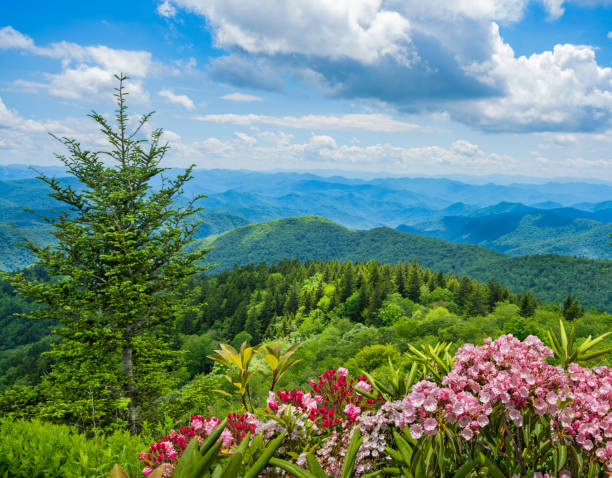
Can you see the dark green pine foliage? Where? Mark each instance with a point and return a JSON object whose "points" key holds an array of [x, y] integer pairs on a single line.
{"points": [[527, 304], [118, 275], [571, 308], [464, 292], [413, 287]]}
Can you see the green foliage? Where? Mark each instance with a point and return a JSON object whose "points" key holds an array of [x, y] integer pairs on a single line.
{"points": [[33, 449], [567, 351], [571, 308], [238, 363], [372, 357], [548, 277], [279, 362], [315, 470], [118, 273]]}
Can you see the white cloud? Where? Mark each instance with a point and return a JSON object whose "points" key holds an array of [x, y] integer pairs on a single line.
{"points": [[166, 9], [362, 30], [464, 148], [366, 122], [86, 70], [27, 141], [11, 38], [412, 55], [322, 142], [559, 90], [182, 100], [610, 35], [245, 138], [279, 150], [240, 97]]}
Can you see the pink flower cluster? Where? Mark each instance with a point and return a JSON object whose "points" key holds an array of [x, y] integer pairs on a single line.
{"points": [[587, 418], [167, 451], [517, 376], [332, 401]]}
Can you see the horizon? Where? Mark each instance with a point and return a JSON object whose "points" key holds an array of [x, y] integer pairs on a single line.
{"points": [[472, 179]]}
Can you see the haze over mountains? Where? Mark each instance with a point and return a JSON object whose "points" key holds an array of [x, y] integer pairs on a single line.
{"points": [[566, 218]]}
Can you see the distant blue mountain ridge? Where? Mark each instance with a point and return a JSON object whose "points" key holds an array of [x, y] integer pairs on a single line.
{"points": [[566, 218]]}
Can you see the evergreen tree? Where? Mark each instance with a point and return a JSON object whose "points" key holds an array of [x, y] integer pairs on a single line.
{"points": [[527, 305], [399, 281], [464, 292], [413, 287], [496, 293], [476, 303], [571, 308], [119, 271]]}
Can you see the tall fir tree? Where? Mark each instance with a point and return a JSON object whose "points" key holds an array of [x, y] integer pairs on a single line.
{"points": [[118, 271]]}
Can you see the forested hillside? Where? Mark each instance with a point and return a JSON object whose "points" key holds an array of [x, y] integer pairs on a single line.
{"points": [[549, 277], [521, 230], [301, 300]]}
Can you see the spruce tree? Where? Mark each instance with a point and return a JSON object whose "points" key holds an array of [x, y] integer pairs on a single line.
{"points": [[118, 274], [413, 286], [571, 308]]}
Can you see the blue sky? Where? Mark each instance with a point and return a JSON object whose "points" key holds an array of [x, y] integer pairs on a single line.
{"points": [[397, 87]]}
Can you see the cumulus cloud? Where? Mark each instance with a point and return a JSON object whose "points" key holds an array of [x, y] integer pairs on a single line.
{"points": [[240, 97], [182, 100], [365, 122], [25, 140], [11, 38], [278, 150], [361, 30], [414, 56], [559, 90], [86, 70]]}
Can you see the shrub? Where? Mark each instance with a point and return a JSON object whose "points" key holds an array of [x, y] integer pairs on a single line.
{"points": [[33, 449]]}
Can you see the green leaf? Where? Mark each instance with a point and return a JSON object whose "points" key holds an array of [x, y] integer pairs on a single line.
{"points": [[351, 454]]}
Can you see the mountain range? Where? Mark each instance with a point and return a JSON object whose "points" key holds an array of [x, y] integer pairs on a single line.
{"points": [[567, 218]]}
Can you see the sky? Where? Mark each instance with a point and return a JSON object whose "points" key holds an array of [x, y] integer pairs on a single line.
{"points": [[406, 87]]}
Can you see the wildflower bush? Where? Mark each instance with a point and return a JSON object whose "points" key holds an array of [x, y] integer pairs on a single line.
{"points": [[502, 409]]}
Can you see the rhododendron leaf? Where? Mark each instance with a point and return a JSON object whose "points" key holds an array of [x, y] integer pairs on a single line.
{"points": [[222, 392], [292, 469], [266, 454], [118, 472], [403, 447], [594, 355], [351, 454], [590, 343], [256, 445], [214, 436], [203, 463], [369, 395], [314, 466], [563, 335], [185, 464], [272, 361], [157, 472], [244, 443], [465, 469], [493, 470], [233, 466]]}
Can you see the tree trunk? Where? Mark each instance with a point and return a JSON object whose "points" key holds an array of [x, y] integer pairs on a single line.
{"points": [[127, 371]]}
